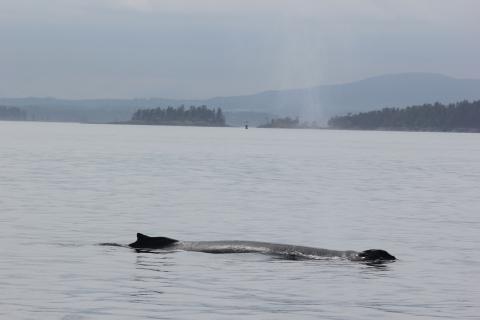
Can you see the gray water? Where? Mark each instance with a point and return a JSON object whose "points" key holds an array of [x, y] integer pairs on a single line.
{"points": [[65, 188]]}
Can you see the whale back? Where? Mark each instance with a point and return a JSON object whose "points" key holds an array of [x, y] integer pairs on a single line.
{"points": [[375, 255], [236, 246], [144, 241]]}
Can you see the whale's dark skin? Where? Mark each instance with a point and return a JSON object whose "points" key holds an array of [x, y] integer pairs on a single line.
{"points": [[235, 246]]}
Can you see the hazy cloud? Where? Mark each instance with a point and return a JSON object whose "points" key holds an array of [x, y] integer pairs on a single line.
{"points": [[202, 48]]}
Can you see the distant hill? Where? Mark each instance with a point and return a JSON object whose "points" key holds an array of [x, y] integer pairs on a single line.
{"points": [[322, 102], [317, 103]]}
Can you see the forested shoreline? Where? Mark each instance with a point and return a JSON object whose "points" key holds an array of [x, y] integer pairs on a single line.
{"points": [[192, 116], [290, 123], [286, 122], [461, 116], [12, 113]]}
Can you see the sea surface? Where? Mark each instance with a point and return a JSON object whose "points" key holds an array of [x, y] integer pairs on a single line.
{"points": [[65, 188]]}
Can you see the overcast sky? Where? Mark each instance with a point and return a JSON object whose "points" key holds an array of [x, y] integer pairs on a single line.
{"points": [[206, 48]]}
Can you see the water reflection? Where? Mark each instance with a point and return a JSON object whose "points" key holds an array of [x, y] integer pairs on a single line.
{"points": [[377, 265], [154, 251], [152, 278]]}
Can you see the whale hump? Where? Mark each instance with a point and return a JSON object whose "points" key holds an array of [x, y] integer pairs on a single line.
{"points": [[144, 241], [376, 255]]}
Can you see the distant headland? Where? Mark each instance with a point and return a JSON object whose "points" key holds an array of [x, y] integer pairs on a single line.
{"points": [[193, 116], [12, 113], [290, 123], [459, 117]]}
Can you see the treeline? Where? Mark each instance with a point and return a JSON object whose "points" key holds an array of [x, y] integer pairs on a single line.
{"points": [[286, 122], [289, 123], [461, 116], [195, 116], [12, 113]]}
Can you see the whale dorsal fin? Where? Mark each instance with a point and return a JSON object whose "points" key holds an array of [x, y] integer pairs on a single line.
{"points": [[142, 236]]}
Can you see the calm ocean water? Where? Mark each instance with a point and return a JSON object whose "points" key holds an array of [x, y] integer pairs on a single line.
{"points": [[65, 188]]}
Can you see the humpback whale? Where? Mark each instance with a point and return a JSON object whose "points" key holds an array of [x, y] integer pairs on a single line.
{"points": [[237, 246]]}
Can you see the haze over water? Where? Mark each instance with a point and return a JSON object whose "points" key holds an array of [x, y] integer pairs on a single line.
{"points": [[65, 188]]}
